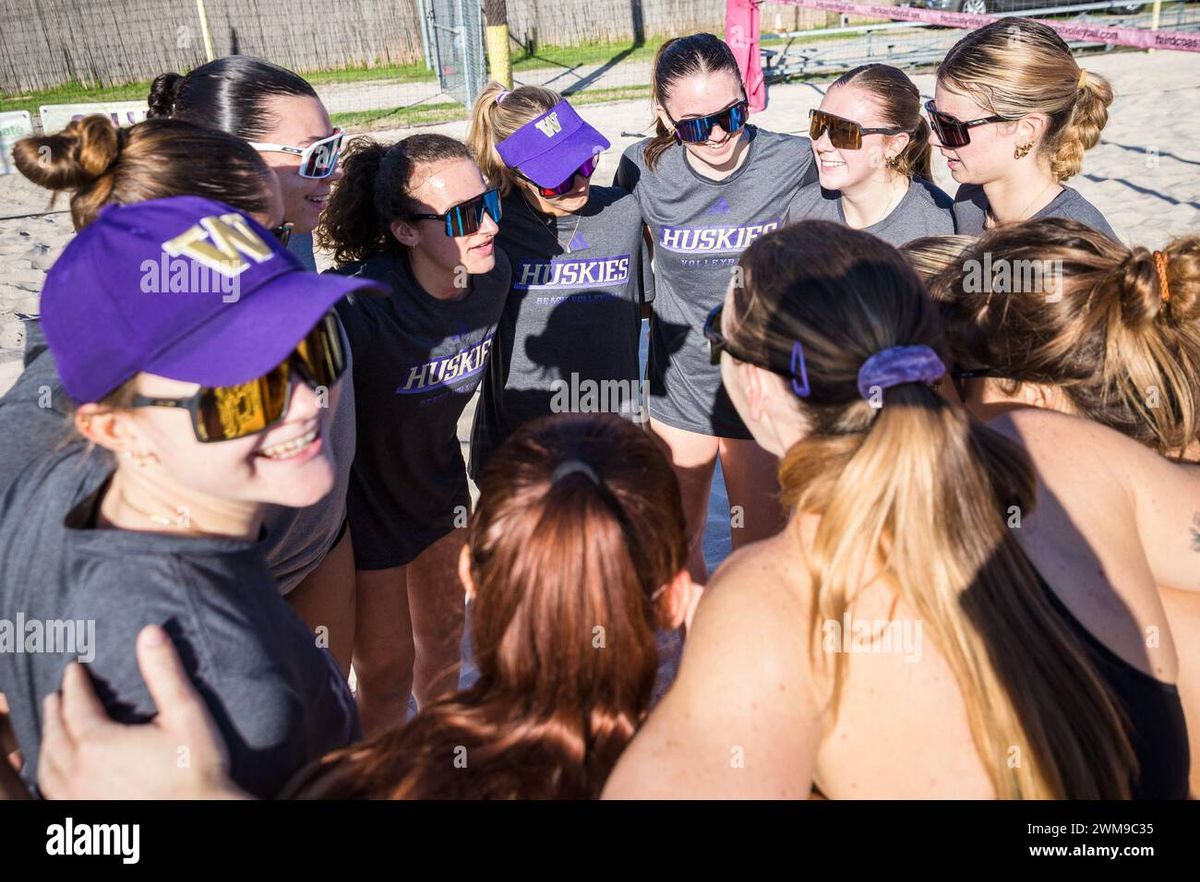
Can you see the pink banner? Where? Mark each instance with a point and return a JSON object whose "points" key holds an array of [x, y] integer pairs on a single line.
{"points": [[1139, 38], [741, 33]]}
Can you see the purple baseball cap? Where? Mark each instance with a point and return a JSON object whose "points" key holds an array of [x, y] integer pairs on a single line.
{"points": [[186, 288], [550, 148]]}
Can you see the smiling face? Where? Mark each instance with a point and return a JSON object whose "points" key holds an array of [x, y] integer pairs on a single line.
{"points": [[288, 464], [299, 121], [850, 170], [436, 188], [568, 203], [989, 156], [700, 95]]}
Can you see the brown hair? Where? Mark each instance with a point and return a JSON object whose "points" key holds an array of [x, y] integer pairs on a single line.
{"points": [[925, 486], [1124, 350], [102, 164], [1017, 66], [900, 101], [376, 190], [493, 120], [931, 255], [566, 570], [676, 59]]}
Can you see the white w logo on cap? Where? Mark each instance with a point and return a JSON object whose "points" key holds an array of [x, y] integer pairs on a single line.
{"points": [[232, 241], [549, 125]]}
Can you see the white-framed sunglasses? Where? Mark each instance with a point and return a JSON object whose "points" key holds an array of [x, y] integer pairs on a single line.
{"points": [[318, 160]]}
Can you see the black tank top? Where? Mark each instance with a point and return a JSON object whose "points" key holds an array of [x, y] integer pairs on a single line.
{"points": [[1158, 731]]}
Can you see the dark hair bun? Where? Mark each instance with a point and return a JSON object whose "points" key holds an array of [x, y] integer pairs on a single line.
{"points": [[163, 93]]}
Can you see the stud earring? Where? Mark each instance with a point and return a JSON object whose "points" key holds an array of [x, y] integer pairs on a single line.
{"points": [[1022, 151]]}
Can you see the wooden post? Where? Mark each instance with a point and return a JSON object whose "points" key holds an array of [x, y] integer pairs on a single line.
{"points": [[208, 49], [1154, 18], [497, 41]]}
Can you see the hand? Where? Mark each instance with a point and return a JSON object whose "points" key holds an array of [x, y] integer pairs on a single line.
{"points": [[177, 755]]}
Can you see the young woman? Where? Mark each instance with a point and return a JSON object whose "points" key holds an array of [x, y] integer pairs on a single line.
{"points": [[1013, 113], [973, 597], [1116, 341], [871, 148], [200, 411], [577, 546], [708, 184], [98, 165], [418, 218], [279, 113], [568, 339]]}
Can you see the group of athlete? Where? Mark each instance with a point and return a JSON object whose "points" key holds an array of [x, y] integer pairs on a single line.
{"points": [[250, 493]]}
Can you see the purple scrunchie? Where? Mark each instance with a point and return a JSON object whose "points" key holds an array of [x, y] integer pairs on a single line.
{"points": [[899, 365]]}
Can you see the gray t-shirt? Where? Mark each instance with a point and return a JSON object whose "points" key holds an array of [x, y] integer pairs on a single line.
{"points": [[417, 362], [34, 419], [970, 211], [699, 229], [301, 245], [924, 210], [568, 339], [70, 590]]}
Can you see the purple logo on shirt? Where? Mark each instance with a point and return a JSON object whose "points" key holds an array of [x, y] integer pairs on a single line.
{"points": [[713, 239], [447, 371], [721, 206], [603, 272]]}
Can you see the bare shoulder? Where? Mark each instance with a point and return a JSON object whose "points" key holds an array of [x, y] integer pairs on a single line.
{"points": [[740, 719]]}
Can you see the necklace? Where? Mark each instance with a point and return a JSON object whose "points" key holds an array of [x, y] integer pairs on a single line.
{"points": [[1020, 217], [550, 224], [182, 522], [887, 209]]}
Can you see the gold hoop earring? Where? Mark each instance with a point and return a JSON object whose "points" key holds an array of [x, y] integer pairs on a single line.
{"points": [[1022, 151]]}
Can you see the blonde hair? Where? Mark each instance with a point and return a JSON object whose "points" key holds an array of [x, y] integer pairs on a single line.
{"points": [[931, 255], [927, 487], [1017, 66], [1124, 350], [493, 120]]}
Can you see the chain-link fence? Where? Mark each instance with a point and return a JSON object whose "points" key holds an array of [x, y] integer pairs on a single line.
{"points": [[390, 63]]}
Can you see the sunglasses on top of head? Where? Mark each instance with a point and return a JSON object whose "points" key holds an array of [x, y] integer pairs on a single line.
{"points": [[467, 217], [695, 131], [953, 132], [318, 160], [223, 413], [587, 170], [844, 134]]}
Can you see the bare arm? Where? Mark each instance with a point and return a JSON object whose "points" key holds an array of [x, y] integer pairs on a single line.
{"points": [[1166, 498], [739, 722]]}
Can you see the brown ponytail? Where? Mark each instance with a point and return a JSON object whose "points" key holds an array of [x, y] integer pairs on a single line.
{"points": [[566, 568], [926, 487], [1123, 348], [676, 59], [99, 164], [900, 101]]}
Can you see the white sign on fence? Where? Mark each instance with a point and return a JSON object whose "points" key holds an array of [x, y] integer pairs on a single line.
{"points": [[55, 117], [14, 125]]}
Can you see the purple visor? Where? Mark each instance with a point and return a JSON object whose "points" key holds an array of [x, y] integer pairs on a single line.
{"points": [[552, 147]]}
